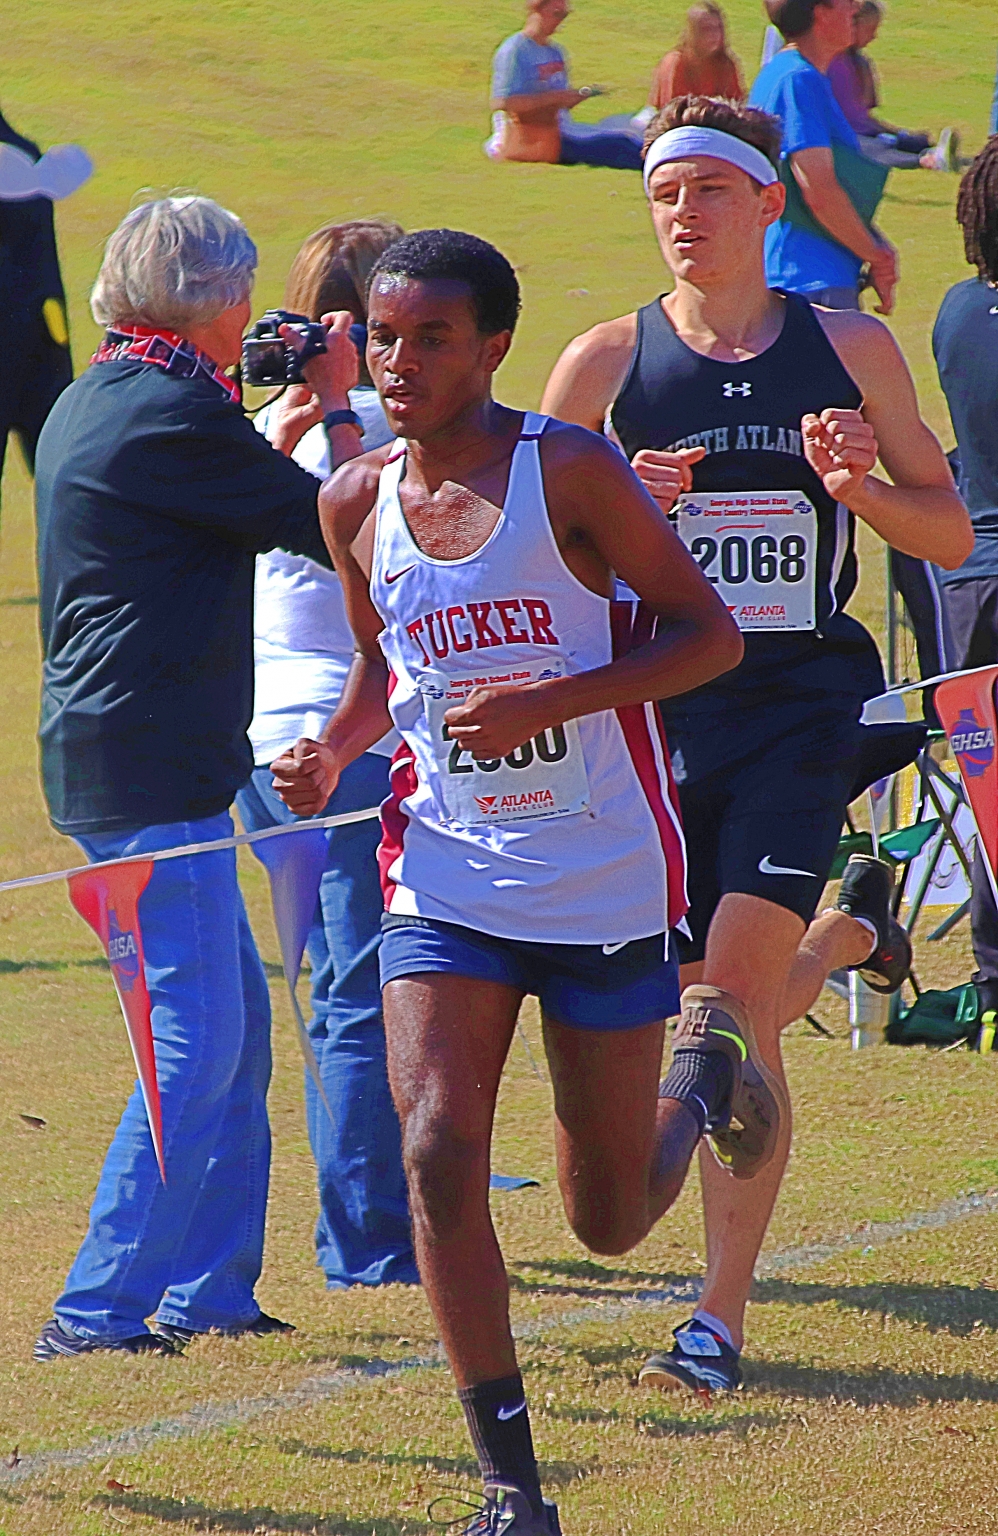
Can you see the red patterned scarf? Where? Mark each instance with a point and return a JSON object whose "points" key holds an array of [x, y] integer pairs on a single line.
{"points": [[166, 349]]}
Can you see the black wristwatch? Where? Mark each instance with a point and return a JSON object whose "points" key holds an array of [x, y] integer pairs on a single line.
{"points": [[342, 419]]}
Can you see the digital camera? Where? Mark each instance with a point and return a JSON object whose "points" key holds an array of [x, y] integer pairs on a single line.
{"points": [[267, 358]]}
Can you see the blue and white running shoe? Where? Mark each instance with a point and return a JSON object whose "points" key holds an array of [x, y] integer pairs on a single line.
{"points": [[699, 1360]]}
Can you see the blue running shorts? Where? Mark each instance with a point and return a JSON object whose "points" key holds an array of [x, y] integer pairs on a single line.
{"points": [[583, 986]]}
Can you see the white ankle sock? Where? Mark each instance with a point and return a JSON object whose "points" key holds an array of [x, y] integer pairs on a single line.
{"points": [[715, 1325]]}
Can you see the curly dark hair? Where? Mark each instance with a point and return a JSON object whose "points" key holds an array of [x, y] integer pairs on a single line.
{"points": [[746, 123], [977, 211], [449, 254]]}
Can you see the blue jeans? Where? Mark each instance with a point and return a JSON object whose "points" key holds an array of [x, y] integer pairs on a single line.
{"points": [[363, 1235], [188, 1251], [618, 149]]}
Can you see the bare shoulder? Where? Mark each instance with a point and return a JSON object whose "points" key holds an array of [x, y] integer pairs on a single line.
{"points": [[606, 346], [864, 345], [349, 495], [568, 451], [590, 371]]}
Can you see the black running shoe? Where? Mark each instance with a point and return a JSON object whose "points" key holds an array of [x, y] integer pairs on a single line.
{"points": [[744, 1139], [866, 891], [260, 1326], [55, 1340], [700, 1361], [505, 1511]]}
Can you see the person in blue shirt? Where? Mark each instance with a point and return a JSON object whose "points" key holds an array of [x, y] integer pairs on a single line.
{"points": [[965, 344], [825, 237], [531, 101]]}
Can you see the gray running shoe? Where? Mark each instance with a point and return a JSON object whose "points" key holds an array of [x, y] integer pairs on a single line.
{"points": [[745, 1138], [55, 1340]]}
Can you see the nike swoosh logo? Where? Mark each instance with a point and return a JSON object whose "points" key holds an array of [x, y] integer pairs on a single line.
{"points": [[510, 1413], [390, 579], [766, 867], [993, 310], [611, 949]]}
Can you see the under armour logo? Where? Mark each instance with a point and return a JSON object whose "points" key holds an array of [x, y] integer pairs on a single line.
{"points": [[737, 389]]}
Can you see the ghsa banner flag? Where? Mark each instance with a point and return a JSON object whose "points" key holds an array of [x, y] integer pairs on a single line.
{"points": [[967, 709]]}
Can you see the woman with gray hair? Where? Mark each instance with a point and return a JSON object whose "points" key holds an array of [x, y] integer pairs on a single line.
{"points": [[155, 494]]}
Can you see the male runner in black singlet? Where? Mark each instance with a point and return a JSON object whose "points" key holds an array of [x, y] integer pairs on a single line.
{"points": [[759, 419]]}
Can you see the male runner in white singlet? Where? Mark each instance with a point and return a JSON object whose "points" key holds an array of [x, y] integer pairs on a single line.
{"points": [[759, 419], [531, 844]]}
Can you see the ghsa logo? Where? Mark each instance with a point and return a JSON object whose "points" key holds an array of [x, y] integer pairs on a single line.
{"points": [[803, 507], [973, 744], [122, 952], [692, 510]]}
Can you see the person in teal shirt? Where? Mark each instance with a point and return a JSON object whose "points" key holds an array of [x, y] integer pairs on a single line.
{"points": [[826, 236]]}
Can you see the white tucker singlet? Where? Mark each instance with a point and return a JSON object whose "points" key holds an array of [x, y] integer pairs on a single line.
{"points": [[574, 838]]}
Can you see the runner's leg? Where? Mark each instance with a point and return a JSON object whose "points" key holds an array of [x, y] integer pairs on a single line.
{"points": [[623, 1153], [448, 1036]]}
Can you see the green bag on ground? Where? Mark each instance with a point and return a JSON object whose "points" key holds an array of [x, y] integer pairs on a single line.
{"points": [[937, 1018]]}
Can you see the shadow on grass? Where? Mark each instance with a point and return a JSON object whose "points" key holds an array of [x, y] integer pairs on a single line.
{"points": [[19, 602], [955, 1309], [664, 1425], [207, 1517], [559, 1473], [14, 967], [877, 1385], [585, 1269], [592, 1292]]}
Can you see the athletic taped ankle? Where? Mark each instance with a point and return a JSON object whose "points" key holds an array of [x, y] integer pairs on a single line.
{"points": [[715, 1325], [499, 1426], [702, 1082]]}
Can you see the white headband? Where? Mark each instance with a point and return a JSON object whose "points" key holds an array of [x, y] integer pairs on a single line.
{"points": [[682, 143]]}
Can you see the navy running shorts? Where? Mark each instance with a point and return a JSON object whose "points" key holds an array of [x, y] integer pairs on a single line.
{"points": [[583, 986], [767, 825]]}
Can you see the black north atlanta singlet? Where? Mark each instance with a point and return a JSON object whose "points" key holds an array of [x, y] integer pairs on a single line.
{"points": [[747, 415]]}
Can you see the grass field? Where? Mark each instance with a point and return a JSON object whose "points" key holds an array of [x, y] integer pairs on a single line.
{"points": [[872, 1372]]}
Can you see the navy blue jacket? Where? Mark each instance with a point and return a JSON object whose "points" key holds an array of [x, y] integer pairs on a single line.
{"points": [[154, 495], [965, 343]]}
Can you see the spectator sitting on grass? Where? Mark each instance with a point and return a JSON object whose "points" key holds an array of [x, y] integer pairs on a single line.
{"points": [[825, 237], [853, 79], [531, 102], [701, 64]]}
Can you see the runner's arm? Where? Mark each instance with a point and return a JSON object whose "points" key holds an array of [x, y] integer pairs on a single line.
{"points": [[306, 776], [584, 383], [921, 514], [597, 503]]}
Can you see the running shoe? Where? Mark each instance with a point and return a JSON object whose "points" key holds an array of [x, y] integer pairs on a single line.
{"points": [[175, 1334], [744, 1139], [700, 1361], [55, 1340], [866, 891], [505, 1511]]}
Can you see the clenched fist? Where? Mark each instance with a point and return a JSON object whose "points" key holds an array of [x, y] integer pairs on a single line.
{"points": [[666, 476], [306, 776], [840, 447]]}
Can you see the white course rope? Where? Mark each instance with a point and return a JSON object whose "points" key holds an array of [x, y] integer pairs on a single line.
{"points": [[236, 841]]}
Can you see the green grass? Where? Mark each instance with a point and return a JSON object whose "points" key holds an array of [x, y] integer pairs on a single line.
{"points": [[871, 1387]]}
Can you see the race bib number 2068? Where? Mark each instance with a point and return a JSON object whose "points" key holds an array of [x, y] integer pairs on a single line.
{"points": [[759, 548], [544, 777]]}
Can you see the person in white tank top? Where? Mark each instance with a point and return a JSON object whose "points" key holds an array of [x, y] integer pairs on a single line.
{"points": [[530, 844]]}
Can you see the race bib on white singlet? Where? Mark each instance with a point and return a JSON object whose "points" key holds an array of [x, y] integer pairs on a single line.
{"points": [[760, 549], [544, 777]]}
